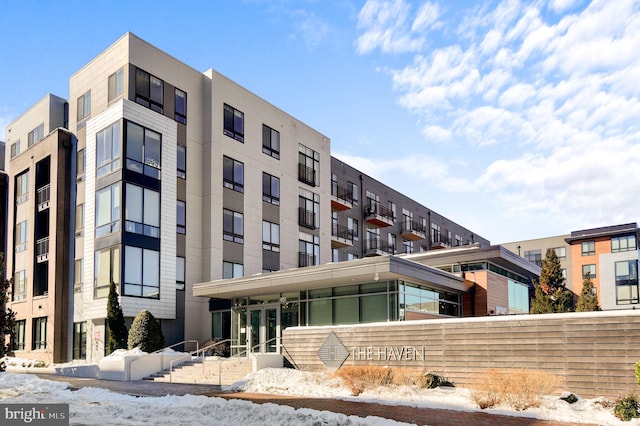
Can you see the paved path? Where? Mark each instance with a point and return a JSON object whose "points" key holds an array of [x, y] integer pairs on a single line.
{"points": [[420, 416]]}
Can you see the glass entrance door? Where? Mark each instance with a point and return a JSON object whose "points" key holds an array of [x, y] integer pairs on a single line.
{"points": [[264, 326]]}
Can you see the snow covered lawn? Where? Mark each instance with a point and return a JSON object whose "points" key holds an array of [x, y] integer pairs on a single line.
{"points": [[92, 406]]}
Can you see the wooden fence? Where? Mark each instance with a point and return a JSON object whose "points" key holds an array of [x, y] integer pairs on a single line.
{"points": [[593, 354]]}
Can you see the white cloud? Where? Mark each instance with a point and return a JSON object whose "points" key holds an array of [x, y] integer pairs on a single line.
{"points": [[386, 25], [548, 103], [427, 16]]}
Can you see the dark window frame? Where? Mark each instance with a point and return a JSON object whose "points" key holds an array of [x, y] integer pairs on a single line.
{"points": [[230, 170], [270, 141], [270, 189], [233, 123], [231, 231], [147, 93]]}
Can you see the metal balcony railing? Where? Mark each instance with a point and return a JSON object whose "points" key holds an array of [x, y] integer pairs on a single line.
{"points": [[42, 249], [306, 218], [375, 244], [342, 231], [341, 193], [43, 197], [306, 259], [306, 174], [375, 208], [411, 225]]}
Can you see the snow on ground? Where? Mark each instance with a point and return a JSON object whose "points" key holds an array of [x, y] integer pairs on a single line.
{"points": [[91, 406]]}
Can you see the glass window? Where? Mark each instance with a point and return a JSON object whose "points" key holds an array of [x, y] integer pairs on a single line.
{"points": [[561, 252], [142, 211], [39, 334], [270, 236], [15, 148], [435, 233], [80, 164], [233, 226], [35, 135], [19, 333], [77, 275], [21, 236], [79, 218], [182, 162], [518, 298], [141, 272], [108, 210], [84, 106], [270, 189], [233, 174], [309, 249], [352, 225], [308, 209], [180, 106], [79, 340], [308, 165], [626, 243], [180, 273], [107, 270], [149, 90], [19, 291], [534, 256], [143, 150], [181, 218], [232, 270], [589, 269], [116, 84], [626, 282], [108, 150], [588, 248], [270, 141], [233, 123], [352, 190], [22, 187]]}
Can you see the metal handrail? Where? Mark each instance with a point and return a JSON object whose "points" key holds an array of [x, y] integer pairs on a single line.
{"points": [[192, 354], [238, 356], [159, 351]]}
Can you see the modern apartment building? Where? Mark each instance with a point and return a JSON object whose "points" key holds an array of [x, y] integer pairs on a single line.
{"points": [[535, 250], [156, 176], [369, 218], [4, 185], [609, 254]]}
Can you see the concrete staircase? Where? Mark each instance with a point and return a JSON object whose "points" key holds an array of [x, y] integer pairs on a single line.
{"points": [[214, 371]]}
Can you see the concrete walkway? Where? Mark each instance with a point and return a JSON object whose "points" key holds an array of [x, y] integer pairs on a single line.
{"points": [[419, 416]]}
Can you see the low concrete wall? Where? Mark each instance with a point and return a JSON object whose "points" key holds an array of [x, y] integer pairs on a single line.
{"points": [[270, 360], [137, 367], [593, 353]]}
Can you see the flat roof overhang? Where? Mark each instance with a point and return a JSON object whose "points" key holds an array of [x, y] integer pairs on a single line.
{"points": [[338, 274], [469, 254]]}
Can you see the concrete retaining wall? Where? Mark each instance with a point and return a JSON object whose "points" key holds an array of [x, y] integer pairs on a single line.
{"points": [[592, 353]]}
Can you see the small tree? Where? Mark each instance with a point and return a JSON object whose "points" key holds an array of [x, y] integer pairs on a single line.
{"points": [[551, 295], [145, 333], [588, 299], [7, 315], [541, 303], [116, 327]]}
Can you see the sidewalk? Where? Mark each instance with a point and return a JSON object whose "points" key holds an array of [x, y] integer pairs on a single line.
{"points": [[420, 416]]}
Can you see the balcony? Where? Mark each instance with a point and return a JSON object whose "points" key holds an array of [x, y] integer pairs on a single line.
{"points": [[341, 197], [377, 247], [43, 197], [42, 250], [306, 175], [440, 243], [341, 236], [306, 259], [413, 231], [378, 215], [306, 218]]}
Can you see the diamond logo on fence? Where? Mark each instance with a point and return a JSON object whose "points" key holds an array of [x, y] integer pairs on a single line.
{"points": [[333, 352]]}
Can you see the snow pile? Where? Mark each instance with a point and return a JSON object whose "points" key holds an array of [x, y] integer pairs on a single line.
{"points": [[91, 406]]}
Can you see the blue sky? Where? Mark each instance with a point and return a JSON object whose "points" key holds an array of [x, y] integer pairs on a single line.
{"points": [[515, 119]]}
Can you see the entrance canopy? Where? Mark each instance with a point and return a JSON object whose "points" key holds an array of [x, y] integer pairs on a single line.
{"points": [[332, 275]]}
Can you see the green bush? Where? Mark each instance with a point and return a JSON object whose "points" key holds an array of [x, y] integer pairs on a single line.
{"points": [[627, 408], [638, 373], [145, 333]]}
